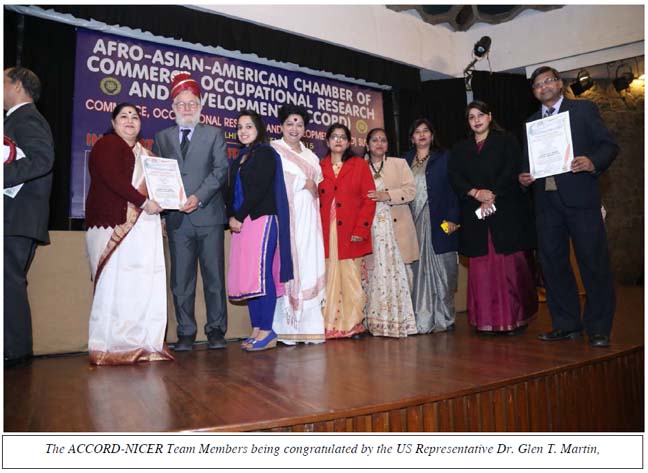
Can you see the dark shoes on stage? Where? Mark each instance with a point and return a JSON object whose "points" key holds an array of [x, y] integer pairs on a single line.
{"points": [[184, 344], [599, 341], [596, 340], [18, 362], [556, 335], [216, 340]]}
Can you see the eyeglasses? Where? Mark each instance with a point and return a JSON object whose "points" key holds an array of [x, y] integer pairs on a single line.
{"points": [[189, 105], [339, 138], [547, 81]]}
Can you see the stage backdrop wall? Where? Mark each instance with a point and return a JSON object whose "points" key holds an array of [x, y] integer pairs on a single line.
{"points": [[110, 69], [60, 294]]}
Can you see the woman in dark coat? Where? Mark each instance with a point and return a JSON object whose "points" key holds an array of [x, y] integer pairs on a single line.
{"points": [[497, 231], [436, 213]]}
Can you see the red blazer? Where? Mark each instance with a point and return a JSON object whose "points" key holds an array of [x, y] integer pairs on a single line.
{"points": [[111, 167], [354, 210]]}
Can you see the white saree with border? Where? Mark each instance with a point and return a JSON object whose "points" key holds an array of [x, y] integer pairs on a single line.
{"points": [[129, 309], [298, 314]]}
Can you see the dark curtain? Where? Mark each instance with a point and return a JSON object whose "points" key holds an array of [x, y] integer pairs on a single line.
{"points": [[509, 96], [390, 115], [48, 50], [441, 101], [212, 29]]}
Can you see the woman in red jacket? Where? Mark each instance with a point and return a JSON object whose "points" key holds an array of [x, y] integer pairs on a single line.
{"points": [[347, 213]]}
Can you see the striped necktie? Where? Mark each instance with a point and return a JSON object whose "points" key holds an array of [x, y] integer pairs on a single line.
{"points": [[184, 144]]}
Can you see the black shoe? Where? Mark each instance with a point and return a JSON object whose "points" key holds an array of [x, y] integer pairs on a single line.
{"points": [[556, 335], [358, 336], [18, 362], [599, 340], [216, 340], [450, 328], [184, 344]]}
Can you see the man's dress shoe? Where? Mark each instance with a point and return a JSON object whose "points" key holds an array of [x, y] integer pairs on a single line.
{"points": [[599, 340], [556, 335], [184, 344], [216, 340], [18, 362]]}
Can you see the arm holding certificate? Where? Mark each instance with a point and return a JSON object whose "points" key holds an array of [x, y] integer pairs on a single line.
{"points": [[164, 182]]}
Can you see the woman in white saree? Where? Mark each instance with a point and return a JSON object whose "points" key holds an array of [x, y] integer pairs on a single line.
{"points": [[125, 250], [298, 314]]}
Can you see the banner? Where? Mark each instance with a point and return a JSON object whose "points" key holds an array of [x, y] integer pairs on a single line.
{"points": [[111, 69]]}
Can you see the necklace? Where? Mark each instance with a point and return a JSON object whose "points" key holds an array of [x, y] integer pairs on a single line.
{"points": [[377, 173], [419, 162]]}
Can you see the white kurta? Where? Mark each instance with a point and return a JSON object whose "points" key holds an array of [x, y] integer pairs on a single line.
{"points": [[129, 309], [298, 315]]}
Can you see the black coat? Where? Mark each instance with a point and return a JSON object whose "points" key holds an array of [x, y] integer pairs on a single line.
{"points": [[257, 179], [27, 214], [495, 168]]}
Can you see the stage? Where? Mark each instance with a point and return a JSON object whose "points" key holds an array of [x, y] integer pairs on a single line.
{"points": [[460, 381]]}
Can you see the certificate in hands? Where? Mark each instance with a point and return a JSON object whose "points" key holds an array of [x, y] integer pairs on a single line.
{"points": [[550, 146], [164, 182]]}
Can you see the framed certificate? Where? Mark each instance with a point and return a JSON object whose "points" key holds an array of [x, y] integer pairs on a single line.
{"points": [[164, 182], [549, 142]]}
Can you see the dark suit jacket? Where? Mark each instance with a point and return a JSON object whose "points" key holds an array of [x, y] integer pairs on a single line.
{"points": [[203, 171], [442, 200], [494, 168], [28, 213], [590, 138]]}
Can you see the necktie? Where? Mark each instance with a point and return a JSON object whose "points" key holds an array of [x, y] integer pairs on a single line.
{"points": [[184, 144], [550, 181]]}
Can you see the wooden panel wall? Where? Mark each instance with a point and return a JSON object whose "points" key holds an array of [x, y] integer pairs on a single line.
{"points": [[604, 396]]}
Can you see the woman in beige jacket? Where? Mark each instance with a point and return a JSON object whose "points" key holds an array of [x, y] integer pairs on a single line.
{"points": [[389, 310]]}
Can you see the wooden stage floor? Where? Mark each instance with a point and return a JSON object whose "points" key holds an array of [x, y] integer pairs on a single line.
{"points": [[459, 381]]}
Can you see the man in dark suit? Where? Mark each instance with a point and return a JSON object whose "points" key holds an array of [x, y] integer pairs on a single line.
{"points": [[26, 215], [569, 206], [196, 231]]}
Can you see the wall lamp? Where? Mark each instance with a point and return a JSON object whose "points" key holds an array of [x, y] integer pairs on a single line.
{"points": [[623, 77], [482, 46], [583, 82], [481, 49]]}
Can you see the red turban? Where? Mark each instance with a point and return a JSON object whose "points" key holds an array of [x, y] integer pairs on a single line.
{"points": [[181, 81]]}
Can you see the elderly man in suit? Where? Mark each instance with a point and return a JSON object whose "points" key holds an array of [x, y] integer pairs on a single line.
{"points": [[569, 206], [196, 231], [26, 214]]}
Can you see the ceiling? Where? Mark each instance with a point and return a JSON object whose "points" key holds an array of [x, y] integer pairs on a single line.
{"points": [[462, 17]]}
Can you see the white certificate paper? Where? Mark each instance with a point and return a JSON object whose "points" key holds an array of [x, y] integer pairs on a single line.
{"points": [[164, 182], [13, 191], [550, 146]]}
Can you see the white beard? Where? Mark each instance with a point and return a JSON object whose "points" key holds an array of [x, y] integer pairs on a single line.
{"points": [[188, 122]]}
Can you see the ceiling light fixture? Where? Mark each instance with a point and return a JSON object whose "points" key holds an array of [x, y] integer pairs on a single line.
{"points": [[583, 82], [624, 77]]}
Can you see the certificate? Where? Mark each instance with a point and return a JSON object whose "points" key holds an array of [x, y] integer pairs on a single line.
{"points": [[550, 146], [164, 182], [12, 191]]}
